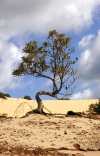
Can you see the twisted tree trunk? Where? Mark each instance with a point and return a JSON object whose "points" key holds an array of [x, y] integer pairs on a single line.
{"points": [[40, 105], [39, 109]]}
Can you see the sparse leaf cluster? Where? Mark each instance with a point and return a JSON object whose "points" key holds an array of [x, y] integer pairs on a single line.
{"points": [[95, 108]]}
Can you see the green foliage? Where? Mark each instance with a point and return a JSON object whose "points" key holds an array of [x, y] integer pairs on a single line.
{"points": [[3, 95], [34, 62], [95, 108], [27, 97], [51, 60], [7, 95]]}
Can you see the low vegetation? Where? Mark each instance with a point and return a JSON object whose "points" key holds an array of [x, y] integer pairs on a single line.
{"points": [[4, 96], [95, 108], [27, 97]]}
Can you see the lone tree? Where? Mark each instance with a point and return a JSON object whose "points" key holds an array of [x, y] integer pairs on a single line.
{"points": [[51, 61]]}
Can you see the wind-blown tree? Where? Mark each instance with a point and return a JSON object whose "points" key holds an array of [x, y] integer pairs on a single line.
{"points": [[50, 61]]}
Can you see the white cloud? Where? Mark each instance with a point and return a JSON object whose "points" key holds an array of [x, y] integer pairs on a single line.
{"points": [[86, 94], [10, 55], [86, 41], [89, 93], [40, 16], [89, 68], [89, 62]]}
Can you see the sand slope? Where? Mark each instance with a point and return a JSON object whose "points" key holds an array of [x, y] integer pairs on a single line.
{"points": [[19, 107]]}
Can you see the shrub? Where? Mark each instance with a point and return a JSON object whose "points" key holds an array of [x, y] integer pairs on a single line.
{"points": [[2, 95], [27, 97], [7, 95], [95, 108]]}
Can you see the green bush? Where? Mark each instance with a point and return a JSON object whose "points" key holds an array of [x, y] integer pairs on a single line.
{"points": [[7, 95], [27, 97], [95, 108], [3, 95]]}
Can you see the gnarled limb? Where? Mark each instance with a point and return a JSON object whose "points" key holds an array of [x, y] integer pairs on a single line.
{"points": [[39, 109]]}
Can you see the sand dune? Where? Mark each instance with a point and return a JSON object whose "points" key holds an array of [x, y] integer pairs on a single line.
{"points": [[19, 107]]}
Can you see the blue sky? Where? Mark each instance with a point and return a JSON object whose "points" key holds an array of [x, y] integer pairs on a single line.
{"points": [[26, 20]]}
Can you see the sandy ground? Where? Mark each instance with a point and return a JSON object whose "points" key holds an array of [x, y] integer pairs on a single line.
{"points": [[69, 135], [48, 135]]}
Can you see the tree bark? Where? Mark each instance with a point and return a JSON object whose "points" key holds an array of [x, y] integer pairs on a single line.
{"points": [[39, 102], [39, 109]]}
